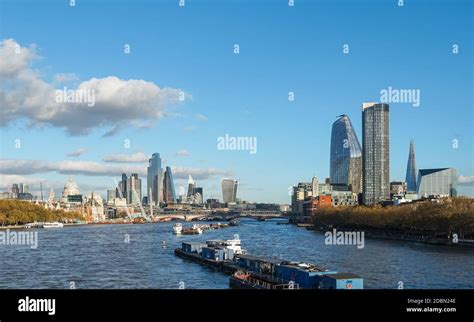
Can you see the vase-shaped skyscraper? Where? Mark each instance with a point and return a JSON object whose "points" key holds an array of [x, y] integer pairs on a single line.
{"points": [[346, 155], [411, 169]]}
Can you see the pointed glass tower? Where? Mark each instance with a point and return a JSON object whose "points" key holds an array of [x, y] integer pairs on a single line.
{"points": [[346, 155], [191, 186], [169, 195], [411, 169]]}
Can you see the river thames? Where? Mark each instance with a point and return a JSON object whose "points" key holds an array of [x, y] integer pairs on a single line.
{"points": [[98, 256]]}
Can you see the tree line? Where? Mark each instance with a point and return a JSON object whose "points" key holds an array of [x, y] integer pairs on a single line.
{"points": [[16, 212], [450, 215]]}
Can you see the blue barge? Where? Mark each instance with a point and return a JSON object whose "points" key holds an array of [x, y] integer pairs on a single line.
{"points": [[248, 271]]}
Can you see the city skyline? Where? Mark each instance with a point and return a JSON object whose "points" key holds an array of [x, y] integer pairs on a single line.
{"points": [[224, 93]]}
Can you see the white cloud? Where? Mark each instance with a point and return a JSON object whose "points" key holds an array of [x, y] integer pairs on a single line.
{"points": [[91, 168], [466, 180], [201, 117], [118, 103], [14, 58], [135, 157], [77, 153], [182, 153]]}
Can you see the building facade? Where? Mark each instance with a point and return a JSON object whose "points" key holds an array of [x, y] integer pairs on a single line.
{"points": [[134, 189], [375, 153], [346, 155], [169, 194], [154, 180], [229, 190], [398, 188], [440, 182]]}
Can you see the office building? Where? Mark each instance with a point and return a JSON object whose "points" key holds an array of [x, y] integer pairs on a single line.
{"points": [[437, 182], [229, 190], [134, 189], [375, 153], [154, 180], [398, 188], [111, 195], [346, 155], [191, 186], [169, 195]]}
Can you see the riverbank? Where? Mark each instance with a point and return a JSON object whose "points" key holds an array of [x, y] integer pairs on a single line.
{"points": [[398, 236], [23, 226]]}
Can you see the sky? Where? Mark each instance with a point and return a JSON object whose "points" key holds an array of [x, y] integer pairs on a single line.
{"points": [[197, 72]]}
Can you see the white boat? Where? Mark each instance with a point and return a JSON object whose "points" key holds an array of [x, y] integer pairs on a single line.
{"points": [[198, 228], [177, 228], [53, 224]]}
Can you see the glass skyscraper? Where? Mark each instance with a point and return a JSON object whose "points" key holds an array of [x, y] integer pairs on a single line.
{"points": [[169, 195], [134, 189], [229, 190], [410, 178], [154, 180], [190, 186], [375, 153], [346, 155], [437, 182]]}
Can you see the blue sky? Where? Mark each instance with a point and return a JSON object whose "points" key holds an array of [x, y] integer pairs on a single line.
{"points": [[282, 49]]}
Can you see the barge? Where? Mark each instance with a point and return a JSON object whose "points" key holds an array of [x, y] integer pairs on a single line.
{"points": [[248, 271]]}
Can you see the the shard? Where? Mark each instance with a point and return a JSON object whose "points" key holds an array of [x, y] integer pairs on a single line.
{"points": [[346, 155], [411, 169]]}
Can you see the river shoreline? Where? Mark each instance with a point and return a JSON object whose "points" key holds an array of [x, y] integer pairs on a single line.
{"points": [[398, 236]]}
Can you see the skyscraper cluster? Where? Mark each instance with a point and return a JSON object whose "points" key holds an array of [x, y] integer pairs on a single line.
{"points": [[194, 194], [154, 180], [160, 185], [129, 188], [365, 169]]}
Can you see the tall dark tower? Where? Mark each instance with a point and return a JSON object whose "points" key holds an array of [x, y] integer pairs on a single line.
{"points": [[411, 169], [375, 153]]}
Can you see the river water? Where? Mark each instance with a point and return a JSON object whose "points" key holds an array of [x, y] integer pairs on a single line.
{"points": [[98, 256]]}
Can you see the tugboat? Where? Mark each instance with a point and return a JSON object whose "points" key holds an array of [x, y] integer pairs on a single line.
{"points": [[177, 229]]}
